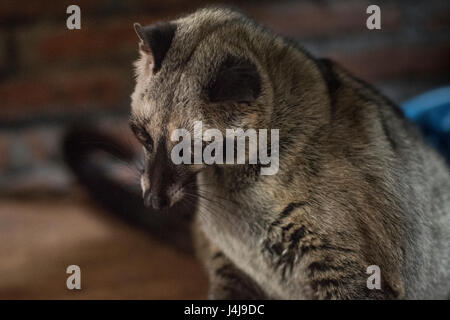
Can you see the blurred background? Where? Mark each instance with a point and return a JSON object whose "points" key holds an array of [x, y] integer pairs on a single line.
{"points": [[51, 76]]}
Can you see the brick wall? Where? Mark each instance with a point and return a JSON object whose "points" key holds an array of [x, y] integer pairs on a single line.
{"points": [[50, 75]]}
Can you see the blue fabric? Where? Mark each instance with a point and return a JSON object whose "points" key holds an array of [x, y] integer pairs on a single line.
{"points": [[431, 112]]}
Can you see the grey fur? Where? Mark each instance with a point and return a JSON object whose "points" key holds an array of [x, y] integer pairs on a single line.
{"points": [[357, 184]]}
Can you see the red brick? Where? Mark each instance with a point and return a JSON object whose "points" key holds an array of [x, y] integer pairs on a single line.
{"points": [[439, 21], [307, 20], [394, 62], [105, 41], [4, 141], [32, 11], [69, 91], [87, 43]]}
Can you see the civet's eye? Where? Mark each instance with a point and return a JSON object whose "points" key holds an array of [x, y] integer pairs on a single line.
{"points": [[143, 137], [148, 144]]}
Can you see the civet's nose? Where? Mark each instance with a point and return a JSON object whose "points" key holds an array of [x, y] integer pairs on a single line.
{"points": [[154, 201]]}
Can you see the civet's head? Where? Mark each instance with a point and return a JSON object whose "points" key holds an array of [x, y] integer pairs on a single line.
{"points": [[202, 67]]}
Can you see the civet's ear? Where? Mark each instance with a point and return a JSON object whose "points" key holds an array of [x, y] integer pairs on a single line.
{"points": [[237, 80], [156, 40]]}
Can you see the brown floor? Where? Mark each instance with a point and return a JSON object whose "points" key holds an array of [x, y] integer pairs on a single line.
{"points": [[39, 238]]}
